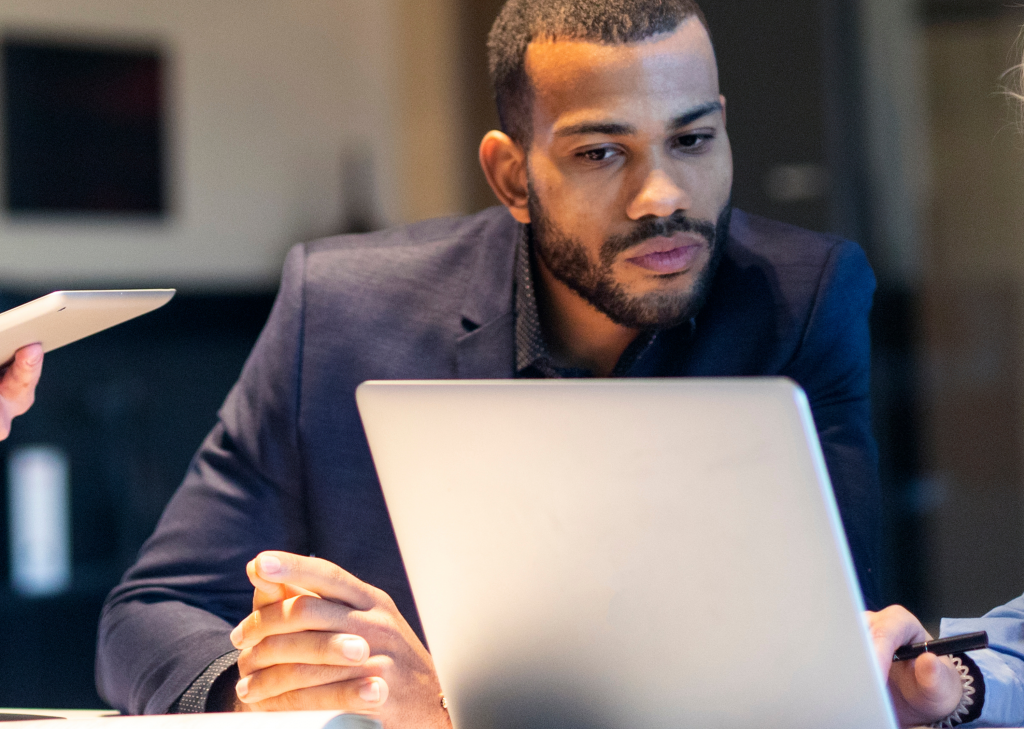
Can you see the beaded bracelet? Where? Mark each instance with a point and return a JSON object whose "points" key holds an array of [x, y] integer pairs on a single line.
{"points": [[959, 714]]}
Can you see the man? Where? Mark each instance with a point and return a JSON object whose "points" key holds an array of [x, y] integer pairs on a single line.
{"points": [[616, 253], [980, 688], [18, 385]]}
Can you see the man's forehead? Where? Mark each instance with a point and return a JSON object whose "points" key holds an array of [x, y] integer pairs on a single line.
{"points": [[670, 62]]}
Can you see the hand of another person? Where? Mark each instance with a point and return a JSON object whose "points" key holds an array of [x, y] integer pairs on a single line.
{"points": [[18, 385], [923, 690], [319, 638]]}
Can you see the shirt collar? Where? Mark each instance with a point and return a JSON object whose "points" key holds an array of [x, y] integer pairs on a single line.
{"points": [[530, 347]]}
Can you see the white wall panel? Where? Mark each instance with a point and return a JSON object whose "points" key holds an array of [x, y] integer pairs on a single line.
{"points": [[265, 97]]}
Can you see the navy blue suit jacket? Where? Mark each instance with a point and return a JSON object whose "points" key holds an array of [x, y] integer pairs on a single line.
{"points": [[287, 466]]}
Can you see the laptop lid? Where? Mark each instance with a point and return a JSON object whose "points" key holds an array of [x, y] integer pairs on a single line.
{"points": [[625, 553]]}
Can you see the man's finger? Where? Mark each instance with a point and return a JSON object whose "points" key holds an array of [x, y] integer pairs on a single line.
{"points": [[310, 647], [285, 678], [267, 592], [891, 628], [358, 694], [18, 384], [924, 689], [294, 615], [939, 681], [316, 575]]}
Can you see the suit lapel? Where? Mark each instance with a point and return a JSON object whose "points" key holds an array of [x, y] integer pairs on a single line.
{"points": [[487, 349], [488, 352]]}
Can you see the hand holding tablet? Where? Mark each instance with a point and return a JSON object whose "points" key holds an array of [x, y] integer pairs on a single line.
{"points": [[52, 321]]}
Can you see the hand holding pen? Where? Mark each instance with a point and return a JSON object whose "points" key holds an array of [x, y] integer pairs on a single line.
{"points": [[925, 690], [943, 646]]}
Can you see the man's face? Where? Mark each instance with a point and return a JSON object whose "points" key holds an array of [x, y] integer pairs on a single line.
{"points": [[630, 172]]}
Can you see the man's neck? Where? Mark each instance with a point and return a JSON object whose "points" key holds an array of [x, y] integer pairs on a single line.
{"points": [[576, 334]]}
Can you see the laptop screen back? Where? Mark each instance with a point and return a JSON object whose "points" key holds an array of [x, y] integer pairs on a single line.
{"points": [[591, 554]]}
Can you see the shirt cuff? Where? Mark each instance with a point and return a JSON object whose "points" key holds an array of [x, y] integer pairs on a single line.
{"points": [[1004, 690], [213, 690]]}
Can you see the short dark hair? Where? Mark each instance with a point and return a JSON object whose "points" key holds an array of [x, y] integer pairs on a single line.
{"points": [[521, 22]]}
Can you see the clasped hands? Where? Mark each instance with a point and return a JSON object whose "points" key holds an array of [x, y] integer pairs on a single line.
{"points": [[319, 638]]}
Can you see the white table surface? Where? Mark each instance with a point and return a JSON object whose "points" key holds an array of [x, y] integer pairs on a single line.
{"points": [[64, 713]]}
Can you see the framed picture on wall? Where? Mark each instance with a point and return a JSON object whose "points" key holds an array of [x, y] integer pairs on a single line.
{"points": [[84, 128]]}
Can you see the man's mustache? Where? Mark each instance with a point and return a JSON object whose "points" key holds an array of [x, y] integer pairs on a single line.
{"points": [[649, 228]]}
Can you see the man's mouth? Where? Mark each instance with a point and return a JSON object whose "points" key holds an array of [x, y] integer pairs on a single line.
{"points": [[669, 255]]}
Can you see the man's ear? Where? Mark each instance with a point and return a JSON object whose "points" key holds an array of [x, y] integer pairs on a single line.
{"points": [[504, 163]]}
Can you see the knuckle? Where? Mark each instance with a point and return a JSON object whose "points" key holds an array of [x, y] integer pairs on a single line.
{"points": [[380, 621], [306, 608], [246, 662], [379, 665], [385, 601], [320, 675], [290, 701], [323, 648], [333, 571], [247, 627], [256, 686], [257, 655], [344, 695]]}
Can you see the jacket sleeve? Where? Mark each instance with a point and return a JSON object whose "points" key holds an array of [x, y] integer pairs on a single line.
{"points": [[1002, 664], [171, 615], [833, 364]]}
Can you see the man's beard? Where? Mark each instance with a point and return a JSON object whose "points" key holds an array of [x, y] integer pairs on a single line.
{"points": [[568, 261]]}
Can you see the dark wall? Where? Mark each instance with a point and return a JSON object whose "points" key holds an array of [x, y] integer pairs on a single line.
{"points": [[770, 61]]}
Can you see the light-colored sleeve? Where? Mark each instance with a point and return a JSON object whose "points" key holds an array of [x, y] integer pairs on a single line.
{"points": [[1002, 665]]}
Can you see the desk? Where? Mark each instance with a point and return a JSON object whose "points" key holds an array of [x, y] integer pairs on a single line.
{"points": [[63, 713], [108, 719]]}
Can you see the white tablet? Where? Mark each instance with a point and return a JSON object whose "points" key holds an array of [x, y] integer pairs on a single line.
{"points": [[64, 317]]}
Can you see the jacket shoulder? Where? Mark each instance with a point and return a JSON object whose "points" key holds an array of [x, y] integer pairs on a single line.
{"points": [[462, 230], [439, 256], [754, 239], [775, 285]]}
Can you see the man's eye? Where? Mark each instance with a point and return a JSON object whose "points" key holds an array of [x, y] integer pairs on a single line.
{"points": [[689, 142], [597, 155]]}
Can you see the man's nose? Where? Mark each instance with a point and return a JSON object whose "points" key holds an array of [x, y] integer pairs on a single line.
{"points": [[659, 196]]}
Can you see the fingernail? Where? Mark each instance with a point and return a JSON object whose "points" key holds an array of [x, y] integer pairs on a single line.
{"points": [[34, 359], [270, 564], [370, 692], [236, 636], [242, 687], [353, 649]]}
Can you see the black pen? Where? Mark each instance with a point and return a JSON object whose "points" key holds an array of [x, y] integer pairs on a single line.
{"points": [[943, 646]]}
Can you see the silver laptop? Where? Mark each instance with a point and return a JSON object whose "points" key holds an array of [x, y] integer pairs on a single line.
{"points": [[610, 554]]}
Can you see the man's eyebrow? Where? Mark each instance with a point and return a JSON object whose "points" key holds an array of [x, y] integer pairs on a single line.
{"points": [[689, 117], [618, 129], [609, 129]]}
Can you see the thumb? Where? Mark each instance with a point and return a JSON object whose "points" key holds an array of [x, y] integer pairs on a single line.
{"points": [[938, 680], [261, 572]]}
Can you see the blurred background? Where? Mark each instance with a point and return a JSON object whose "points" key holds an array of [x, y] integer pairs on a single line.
{"points": [[188, 144]]}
